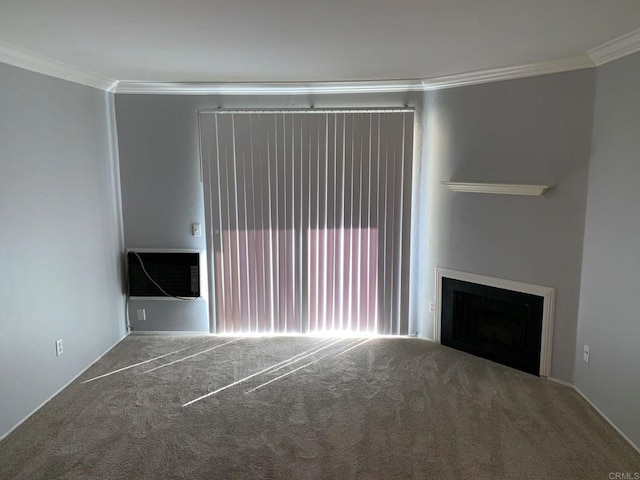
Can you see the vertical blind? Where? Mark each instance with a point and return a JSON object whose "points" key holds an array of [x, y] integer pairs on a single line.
{"points": [[308, 219]]}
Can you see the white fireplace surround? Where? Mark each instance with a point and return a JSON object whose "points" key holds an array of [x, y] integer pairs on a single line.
{"points": [[548, 294]]}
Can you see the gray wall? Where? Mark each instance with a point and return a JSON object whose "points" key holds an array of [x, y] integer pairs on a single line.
{"points": [[162, 194], [533, 130], [528, 130], [60, 239], [609, 317]]}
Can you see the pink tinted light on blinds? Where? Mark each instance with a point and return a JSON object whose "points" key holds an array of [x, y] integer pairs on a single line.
{"points": [[309, 220]]}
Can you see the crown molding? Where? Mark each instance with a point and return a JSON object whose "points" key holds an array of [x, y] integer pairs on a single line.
{"points": [[283, 88], [607, 52], [577, 62], [392, 86], [28, 60], [616, 48]]}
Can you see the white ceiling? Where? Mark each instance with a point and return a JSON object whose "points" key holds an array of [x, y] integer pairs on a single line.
{"points": [[308, 40]]}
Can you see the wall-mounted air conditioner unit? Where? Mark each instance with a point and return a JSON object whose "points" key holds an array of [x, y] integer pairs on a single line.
{"points": [[155, 273]]}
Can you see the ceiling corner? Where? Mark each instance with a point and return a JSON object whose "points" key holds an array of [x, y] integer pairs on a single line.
{"points": [[34, 62]]}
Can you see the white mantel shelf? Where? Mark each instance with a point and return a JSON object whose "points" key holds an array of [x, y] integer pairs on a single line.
{"points": [[499, 188]]}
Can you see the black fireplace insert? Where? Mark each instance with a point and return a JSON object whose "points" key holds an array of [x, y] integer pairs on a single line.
{"points": [[497, 324]]}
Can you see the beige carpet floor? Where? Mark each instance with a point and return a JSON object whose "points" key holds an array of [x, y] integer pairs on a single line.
{"points": [[383, 409]]}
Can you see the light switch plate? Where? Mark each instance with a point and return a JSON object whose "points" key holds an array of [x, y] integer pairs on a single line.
{"points": [[432, 306], [197, 230]]}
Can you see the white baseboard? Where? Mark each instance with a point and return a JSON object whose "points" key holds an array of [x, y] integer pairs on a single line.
{"points": [[561, 382], [609, 421], [427, 339], [5, 435], [593, 405], [600, 412], [161, 332]]}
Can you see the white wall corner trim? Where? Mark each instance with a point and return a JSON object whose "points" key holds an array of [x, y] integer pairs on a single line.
{"points": [[28, 60], [548, 309], [59, 390], [616, 48], [558, 65]]}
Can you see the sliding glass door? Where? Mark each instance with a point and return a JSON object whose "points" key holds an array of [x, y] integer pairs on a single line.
{"points": [[308, 219]]}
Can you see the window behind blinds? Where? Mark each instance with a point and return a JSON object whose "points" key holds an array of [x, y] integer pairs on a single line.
{"points": [[308, 219]]}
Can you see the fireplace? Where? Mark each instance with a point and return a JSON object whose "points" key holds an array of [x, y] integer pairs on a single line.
{"points": [[501, 320]]}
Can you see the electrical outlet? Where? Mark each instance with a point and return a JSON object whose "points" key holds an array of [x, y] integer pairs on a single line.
{"points": [[196, 230], [59, 349], [142, 315], [585, 354], [432, 306]]}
